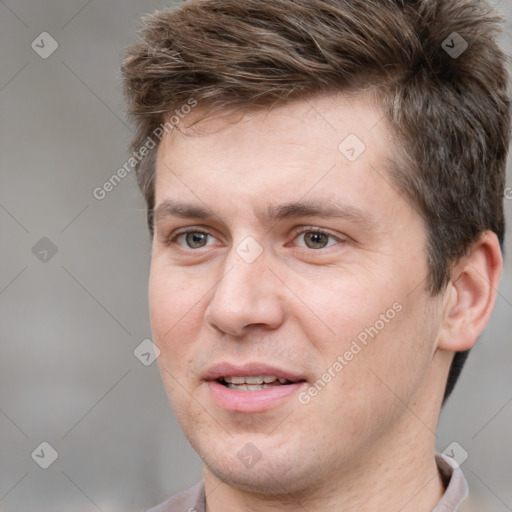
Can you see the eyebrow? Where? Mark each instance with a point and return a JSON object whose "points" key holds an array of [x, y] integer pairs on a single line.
{"points": [[170, 208], [275, 213], [327, 208]]}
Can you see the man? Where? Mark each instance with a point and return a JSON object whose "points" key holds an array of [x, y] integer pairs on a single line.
{"points": [[325, 201]]}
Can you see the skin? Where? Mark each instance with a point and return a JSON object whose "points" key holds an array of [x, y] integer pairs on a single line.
{"points": [[367, 440]]}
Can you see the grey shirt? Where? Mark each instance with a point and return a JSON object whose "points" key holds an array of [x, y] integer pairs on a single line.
{"points": [[193, 500]]}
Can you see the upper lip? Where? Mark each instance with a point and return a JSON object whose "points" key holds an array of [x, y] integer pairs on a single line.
{"points": [[225, 369]]}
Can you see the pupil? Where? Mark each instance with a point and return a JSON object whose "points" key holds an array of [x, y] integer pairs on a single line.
{"points": [[316, 240], [196, 239]]}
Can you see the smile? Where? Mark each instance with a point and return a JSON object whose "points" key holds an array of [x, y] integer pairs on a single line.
{"points": [[253, 383]]}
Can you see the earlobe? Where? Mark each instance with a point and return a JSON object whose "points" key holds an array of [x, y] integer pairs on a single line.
{"points": [[471, 294]]}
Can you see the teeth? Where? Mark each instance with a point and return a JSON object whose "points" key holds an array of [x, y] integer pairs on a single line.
{"points": [[253, 382], [235, 380], [256, 379], [248, 387]]}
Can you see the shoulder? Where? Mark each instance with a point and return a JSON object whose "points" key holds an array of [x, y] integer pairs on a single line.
{"points": [[191, 500]]}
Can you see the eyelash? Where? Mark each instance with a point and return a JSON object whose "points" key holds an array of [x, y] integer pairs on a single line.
{"points": [[310, 229]]}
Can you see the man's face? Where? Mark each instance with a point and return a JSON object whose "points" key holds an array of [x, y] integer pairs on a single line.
{"points": [[282, 250]]}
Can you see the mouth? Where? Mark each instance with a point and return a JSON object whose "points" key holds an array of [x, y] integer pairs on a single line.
{"points": [[254, 382], [251, 387]]}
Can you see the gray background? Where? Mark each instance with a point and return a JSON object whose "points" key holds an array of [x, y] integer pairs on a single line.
{"points": [[69, 325]]}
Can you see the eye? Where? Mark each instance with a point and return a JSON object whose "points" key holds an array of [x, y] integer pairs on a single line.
{"points": [[194, 239], [315, 240]]}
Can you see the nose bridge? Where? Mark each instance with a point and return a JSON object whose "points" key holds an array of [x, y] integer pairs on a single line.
{"points": [[244, 296], [243, 280], [245, 266]]}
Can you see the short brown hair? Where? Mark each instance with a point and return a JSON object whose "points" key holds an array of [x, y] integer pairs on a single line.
{"points": [[447, 104]]}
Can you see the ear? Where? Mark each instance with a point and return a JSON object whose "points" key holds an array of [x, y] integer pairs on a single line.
{"points": [[471, 294]]}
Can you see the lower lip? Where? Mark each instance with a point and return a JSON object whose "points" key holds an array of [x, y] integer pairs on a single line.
{"points": [[251, 401]]}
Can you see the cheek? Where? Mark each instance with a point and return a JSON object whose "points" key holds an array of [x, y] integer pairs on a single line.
{"points": [[356, 309], [173, 327], [379, 331], [175, 309], [397, 359]]}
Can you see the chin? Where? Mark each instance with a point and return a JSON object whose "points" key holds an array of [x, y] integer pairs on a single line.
{"points": [[284, 472], [259, 480]]}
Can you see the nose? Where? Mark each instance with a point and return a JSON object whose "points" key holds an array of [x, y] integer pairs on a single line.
{"points": [[246, 297]]}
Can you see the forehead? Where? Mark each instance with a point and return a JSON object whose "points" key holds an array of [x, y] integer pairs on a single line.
{"points": [[335, 129], [358, 113], [332, 148]]}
